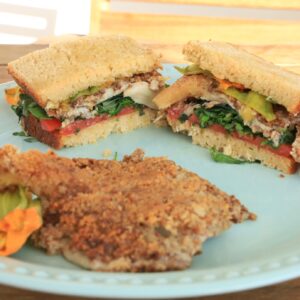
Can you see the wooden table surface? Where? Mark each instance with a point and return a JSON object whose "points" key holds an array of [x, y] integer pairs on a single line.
{"points": [[285, 55]]}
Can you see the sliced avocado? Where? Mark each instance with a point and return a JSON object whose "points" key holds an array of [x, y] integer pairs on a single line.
{"points": [[259, 103], [233, 92], [191, 70], [86, 92], [255, 101]]}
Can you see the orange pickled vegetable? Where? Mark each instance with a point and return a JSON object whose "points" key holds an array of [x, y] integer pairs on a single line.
{"points": [[16, 227], [12, 95], [225, 84]]}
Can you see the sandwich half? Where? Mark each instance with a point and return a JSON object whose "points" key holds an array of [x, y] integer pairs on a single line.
{"points": [[78, 91], [236, 104]]}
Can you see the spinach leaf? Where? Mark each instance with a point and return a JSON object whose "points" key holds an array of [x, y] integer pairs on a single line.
{"points": [[288, 136], [222, 158], [183, 118], [223, 115], [19, 133], [114, 105], [27, 105]]}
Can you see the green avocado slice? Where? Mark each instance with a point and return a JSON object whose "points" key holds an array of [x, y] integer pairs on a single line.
{"points": [[255, 101], [192, 70], [86, 92]]}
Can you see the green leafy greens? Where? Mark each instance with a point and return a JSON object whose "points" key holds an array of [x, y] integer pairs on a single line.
{"points": [[222, 158], [27, 105], [114, 105], [223, 115]]}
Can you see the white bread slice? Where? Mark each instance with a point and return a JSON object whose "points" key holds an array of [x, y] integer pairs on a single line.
{"points": [[58, 72], [234, 147], [91, 134], [226, 61]]}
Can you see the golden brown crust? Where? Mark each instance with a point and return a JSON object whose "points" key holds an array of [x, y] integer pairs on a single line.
{"points": [[185, 87], [54, 74], [134, 215], [226, 61]]}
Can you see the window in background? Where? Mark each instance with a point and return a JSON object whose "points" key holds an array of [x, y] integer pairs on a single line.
{"points": [[26, 21]]}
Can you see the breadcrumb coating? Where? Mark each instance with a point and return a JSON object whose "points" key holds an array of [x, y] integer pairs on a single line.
{"points": [[139, 214]]}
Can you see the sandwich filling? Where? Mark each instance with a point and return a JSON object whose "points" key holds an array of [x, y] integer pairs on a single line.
{"points": [[231, 108], [94, 104]]}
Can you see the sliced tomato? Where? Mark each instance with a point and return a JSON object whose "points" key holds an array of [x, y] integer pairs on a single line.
{"points": [[50, 124], [125, 111], [218, 128], [193, 119], [283, 150], [175, 112], [81, 124]]}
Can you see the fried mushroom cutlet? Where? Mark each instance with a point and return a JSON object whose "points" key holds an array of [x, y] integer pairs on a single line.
{"points": [[139, 214]]}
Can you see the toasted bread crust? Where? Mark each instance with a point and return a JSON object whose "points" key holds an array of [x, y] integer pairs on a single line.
{"points": [[230, 62], [54, 74], [32, 127], [234, 147], [91, 134]]}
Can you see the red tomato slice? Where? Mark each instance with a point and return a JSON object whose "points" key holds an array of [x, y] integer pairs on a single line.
{"points": [[282, 150], [50, 124], [218, 128], [125, 111], [81, 124], [193, 119], [175, 112]]}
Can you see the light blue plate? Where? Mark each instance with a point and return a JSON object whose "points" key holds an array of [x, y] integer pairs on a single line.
{"points": [[249, 255]]}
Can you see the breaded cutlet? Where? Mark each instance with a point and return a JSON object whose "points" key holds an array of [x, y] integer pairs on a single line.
{"points": [[139, 214]]}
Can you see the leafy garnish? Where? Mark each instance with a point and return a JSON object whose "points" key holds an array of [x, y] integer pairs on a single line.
{"points": [[114, 105], [27, 139], [223, 158], [116, 156], [19, 133], [30, 140]]}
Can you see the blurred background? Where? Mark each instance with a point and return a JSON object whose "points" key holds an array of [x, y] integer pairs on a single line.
{"points": [[270, 28]]}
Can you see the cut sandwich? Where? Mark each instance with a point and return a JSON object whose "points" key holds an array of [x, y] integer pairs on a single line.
{"points": [[237, 105], [78, 91]]}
